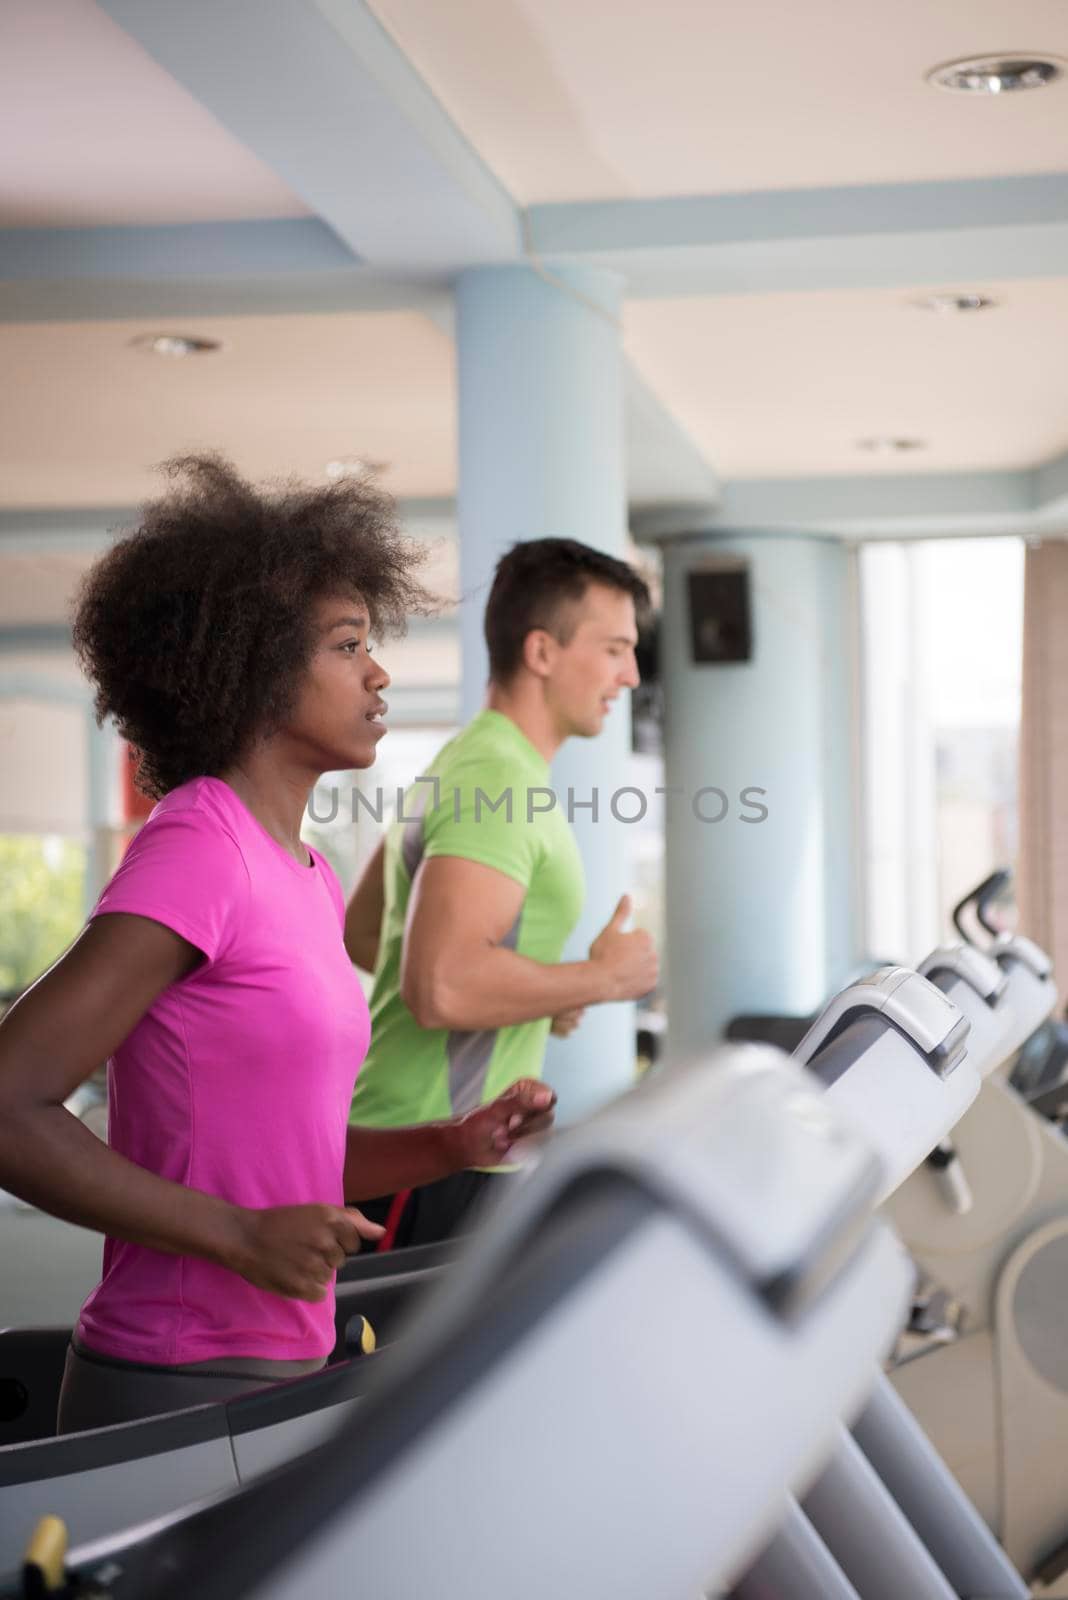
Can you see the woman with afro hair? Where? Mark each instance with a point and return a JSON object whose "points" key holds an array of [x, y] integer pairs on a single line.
{"points": [[230, 639]]}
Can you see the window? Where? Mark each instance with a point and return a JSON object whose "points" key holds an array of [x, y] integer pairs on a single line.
{"points": [[942, 630], [42, 886]]}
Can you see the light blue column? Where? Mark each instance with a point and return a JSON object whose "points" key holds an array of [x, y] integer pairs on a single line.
{"points": [[761, 914], [541, 455]]}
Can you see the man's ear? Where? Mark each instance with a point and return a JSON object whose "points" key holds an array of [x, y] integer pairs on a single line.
{"points": [[539, 652]]}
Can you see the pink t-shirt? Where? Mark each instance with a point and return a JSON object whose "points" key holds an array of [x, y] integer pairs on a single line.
{"points": [[237, 1081]]}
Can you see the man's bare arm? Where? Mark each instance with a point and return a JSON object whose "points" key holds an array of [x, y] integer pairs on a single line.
{"points": [[456, 971]]}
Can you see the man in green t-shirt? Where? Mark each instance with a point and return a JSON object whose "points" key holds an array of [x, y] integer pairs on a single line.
{"points": [[465, 907]]}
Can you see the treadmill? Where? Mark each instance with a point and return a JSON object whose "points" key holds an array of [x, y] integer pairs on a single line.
{"points": [[994, 1400], [897, 1095], [1029, 971], [1039, 1064], [886, 1519], [699, 1258], [32, 1358], [101, 1479]]}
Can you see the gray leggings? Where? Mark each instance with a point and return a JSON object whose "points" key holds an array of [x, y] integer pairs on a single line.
{"points": [[99, 1390]]}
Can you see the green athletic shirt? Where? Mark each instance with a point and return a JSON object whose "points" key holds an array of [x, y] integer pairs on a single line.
{"points": [[415, 1074]]}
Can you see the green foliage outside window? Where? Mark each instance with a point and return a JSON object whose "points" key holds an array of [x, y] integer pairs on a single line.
{"points": [[41, 909]]}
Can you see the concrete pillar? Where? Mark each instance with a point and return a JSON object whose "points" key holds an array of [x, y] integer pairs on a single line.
{"points": [[761, 909], [541, 455]]}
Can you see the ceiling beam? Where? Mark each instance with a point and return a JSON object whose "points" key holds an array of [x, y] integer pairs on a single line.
{"points": [[44, 638], [124, 299], [415, 705], [879, 235], [57, 529], [1026, 503], [1030, 501], [274, 267], [319, 92], [921, 504], [54, 638], [176, 250], [1051, 482], [22, 685]]}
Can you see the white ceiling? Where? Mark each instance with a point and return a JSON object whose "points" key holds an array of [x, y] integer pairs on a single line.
{"points": [[599, 100], [562, 101], [784, 385], [767, 385], [36, 587], [92, 416], [98, 134]]}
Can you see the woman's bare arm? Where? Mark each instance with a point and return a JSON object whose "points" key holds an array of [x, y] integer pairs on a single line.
{"points": [[51, 1040]]}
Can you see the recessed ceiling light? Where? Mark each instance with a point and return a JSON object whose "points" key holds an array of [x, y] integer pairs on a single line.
{"points": [[176, 344], [888, 445], [996, 74], [954, 302], [353, 467]]}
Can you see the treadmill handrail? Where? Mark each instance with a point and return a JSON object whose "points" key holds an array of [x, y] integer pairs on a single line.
{"points": [[909, 1002], [973, 967], [980, 897], [275, 1403], [368, 1266], [686, 1157], [67, 1453], [1016, 947]]}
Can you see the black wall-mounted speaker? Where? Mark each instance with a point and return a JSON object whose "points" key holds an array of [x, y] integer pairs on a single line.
{"points": [[721, 628], [647, 701]]}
